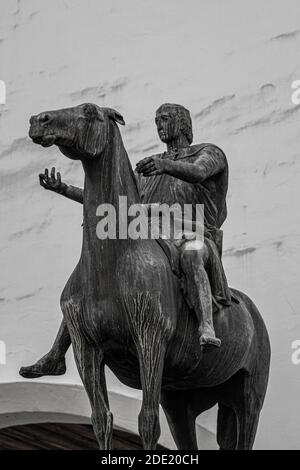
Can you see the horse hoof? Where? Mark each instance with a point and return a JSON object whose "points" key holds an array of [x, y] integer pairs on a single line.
{"points": [[41, 368]]}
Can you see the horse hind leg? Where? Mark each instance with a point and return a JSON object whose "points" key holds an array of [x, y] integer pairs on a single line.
{"points": [[181, 408], [248, 411], [226, 428], [239, 410]]}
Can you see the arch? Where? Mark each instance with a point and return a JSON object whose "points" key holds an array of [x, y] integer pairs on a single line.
{"points": [[24, 402]]}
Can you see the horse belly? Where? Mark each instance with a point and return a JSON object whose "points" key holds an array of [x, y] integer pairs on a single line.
{"points": [[189, 367]]}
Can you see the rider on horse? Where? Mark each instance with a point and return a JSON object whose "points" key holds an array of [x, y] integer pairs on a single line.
{"points": [[184, 174]]}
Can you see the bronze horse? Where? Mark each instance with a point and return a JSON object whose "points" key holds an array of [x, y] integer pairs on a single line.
{"points": [[124, 308]]}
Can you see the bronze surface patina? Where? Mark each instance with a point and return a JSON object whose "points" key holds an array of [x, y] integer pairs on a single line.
{"points": [[124, 305]]}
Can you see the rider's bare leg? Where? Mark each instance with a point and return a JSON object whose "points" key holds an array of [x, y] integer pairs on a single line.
{"points": [[198, 286], [53, 363]]}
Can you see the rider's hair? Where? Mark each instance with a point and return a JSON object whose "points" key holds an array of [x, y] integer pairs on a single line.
{"points": [[184, 116]]}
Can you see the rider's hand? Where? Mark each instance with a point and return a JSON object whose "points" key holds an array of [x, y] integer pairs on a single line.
{"points": [[151, 166], [52, 182]]}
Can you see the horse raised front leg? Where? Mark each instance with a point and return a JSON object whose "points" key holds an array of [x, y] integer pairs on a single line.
{"points": [[150, 333]]}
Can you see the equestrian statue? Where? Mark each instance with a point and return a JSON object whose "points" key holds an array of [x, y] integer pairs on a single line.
{"points": [[158, 312]]}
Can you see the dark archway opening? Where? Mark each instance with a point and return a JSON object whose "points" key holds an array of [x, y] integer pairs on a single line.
{"points": [[61, 436]]}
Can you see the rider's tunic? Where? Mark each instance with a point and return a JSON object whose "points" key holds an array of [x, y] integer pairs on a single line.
{"points": [[211, 192]]}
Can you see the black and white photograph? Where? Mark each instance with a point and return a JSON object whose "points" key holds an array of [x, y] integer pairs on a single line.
{"points": [[149, 227]]}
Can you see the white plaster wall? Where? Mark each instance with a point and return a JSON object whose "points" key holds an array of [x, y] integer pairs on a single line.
{"points": [[232, 64]]}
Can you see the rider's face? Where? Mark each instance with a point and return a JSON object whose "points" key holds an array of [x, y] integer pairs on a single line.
{"points": [[168, 127]]}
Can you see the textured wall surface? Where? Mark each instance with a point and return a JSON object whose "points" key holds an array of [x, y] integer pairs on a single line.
{"points": [[232, 64]]}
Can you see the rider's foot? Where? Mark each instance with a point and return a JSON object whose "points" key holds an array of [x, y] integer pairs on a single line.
{"points": [[47, 365], [208, 339]]}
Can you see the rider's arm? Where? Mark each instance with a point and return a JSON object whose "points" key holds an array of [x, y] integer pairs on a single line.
{"points": [[54, 183], [74, 193], [209, 162]]}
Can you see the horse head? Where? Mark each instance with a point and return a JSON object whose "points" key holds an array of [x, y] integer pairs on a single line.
{"points": [[80, 132]]}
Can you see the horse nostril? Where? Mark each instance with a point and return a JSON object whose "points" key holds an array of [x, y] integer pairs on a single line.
{"points": [[45, 118]]}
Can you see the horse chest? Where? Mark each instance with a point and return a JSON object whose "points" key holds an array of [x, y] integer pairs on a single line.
{"points": [[98, 319]]}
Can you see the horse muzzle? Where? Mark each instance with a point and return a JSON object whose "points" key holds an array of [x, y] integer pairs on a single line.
{"points": [[38, 131]]}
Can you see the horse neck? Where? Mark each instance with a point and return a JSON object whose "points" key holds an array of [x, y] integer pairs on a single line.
{"points": [[106, 179]]}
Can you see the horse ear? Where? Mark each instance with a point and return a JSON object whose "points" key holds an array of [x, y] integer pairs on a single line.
{"points": [[92, 111], [116, 116]]}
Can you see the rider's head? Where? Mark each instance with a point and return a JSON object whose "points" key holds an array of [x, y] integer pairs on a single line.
{"points": [[173, 120]]}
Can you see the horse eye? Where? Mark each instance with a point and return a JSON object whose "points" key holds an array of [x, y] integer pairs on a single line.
{"points": [[86, 109]]}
